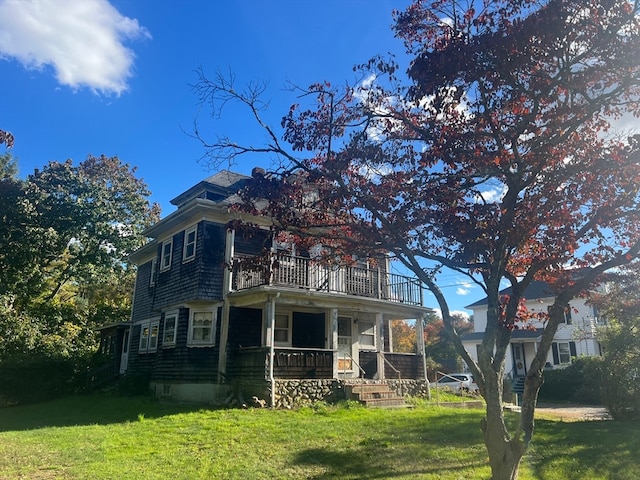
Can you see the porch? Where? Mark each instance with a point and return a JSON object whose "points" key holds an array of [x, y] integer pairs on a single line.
{"points": [[283, 270], [253, 363]]}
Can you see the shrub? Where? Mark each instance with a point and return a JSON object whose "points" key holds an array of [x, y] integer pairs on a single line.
{"points": [[579, 382]]}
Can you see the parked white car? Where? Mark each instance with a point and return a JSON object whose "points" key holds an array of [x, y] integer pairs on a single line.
{"points": [[458, 382]]}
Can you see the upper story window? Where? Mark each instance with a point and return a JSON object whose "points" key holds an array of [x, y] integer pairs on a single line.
{"points": [[165, 255], [189, 250], [170, 328], [149, 336], [567, 314], [152, 274], [202, 324]]}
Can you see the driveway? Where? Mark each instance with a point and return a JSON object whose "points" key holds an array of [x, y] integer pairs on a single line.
{"points": [[573, 411]]}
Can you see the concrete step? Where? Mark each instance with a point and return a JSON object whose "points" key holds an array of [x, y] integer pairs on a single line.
{"points": [[374, 395]]}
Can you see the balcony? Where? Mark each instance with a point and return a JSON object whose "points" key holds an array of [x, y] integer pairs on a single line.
{"points": [[300, 272]]}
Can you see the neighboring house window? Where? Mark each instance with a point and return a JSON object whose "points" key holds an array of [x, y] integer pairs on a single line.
{"points": [[165, 256], [201, 328], [152, 275], [567, 314], [563, 352], [149, 337], [367, 332], [282, 329], [189, 250], [170, 328]]}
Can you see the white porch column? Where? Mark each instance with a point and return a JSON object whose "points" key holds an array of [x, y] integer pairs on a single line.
{"points": [[228, 259], [333, 339], [224, 337], [379, 347], [270, 322], [224, 321]]}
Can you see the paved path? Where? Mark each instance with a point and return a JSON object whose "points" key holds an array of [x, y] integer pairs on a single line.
{"points": [[574, 412]]}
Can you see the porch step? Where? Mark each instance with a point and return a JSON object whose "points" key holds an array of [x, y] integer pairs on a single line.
{"points": [[517, 385], [374, 395]]}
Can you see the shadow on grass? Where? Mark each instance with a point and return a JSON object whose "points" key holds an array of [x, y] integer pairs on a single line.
{"points": [[406, 447], [586, 449], [88, 410]]}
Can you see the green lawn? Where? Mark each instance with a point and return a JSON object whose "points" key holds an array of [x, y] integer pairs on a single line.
{"points": [[102, 437]]}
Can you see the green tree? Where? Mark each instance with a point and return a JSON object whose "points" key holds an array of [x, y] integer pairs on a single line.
{"points": [[620, 338], [65, 235]]}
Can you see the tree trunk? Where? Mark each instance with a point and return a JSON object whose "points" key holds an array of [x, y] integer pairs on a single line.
{"points": [[505, 453]]}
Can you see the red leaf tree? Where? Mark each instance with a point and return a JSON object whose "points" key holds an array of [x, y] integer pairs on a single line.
{"points": [[492, 155]]}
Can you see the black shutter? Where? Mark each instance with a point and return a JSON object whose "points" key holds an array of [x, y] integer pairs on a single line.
{"points": [[556, 355], [572, 349]]}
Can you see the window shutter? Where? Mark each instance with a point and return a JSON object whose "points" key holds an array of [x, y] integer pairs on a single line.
{"points": [[572, 349], [556, 355]]}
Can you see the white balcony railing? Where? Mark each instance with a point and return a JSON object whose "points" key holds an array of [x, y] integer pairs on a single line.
{"points": [[300, 272]]}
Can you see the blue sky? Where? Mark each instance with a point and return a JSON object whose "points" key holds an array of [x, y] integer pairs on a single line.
{"points": [[80, 77]]}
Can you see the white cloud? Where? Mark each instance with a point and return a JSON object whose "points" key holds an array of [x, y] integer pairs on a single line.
{"points": [[81, 40], [462, 291]]}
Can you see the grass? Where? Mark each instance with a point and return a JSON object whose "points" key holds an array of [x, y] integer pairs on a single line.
{"points": [[102, 437]]}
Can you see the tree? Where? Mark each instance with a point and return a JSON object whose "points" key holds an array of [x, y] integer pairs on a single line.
{"points": [[493, 157], [404, 336], [65, 236], [620, 338], [71, 226], [439, 346]]}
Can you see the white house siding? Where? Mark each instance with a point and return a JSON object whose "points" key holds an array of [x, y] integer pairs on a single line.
{"points": [[581, 331]]}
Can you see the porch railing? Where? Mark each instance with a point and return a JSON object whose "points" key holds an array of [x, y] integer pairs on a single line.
{"points": [[301, 272]]}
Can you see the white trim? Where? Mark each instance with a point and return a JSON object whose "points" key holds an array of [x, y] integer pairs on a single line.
{"points": [[154, 269], [281, 329], [210, 339], [185, 256], [166, 265], [173, 314], [149, 334]]}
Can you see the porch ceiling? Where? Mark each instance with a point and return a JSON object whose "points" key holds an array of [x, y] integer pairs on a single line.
{"points": [[305, 298]]}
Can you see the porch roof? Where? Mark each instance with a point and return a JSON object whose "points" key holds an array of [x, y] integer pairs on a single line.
{"points": [[516, 335], [305, 298]]}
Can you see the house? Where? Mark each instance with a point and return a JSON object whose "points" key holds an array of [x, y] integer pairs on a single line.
{"points": [[203, 323], [575, 336]]}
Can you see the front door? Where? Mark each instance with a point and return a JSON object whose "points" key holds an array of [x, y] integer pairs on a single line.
{"points": [[519, 364], [124, 357], [345, 342]]}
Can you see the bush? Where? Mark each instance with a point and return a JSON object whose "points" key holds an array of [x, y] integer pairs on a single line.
{"points": [[36, 378], [579, 382]]}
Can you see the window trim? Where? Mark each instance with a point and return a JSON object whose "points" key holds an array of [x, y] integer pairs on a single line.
{"points": [[173, 314], [212, 329], [146, 343], [288, 329], [193, 229], [361, 335], [166, 267], [152, 275]]}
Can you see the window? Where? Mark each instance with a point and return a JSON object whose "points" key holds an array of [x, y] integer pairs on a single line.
{"points": [[562, 352], [201, 328], [567, 314], [149, 337], [189, 250], [165, 255], [170, 328], [152, 274], [282, 330], [367, 331]]}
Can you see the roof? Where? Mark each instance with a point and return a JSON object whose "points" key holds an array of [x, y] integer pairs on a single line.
{"points": [[218, 187], [535, 290], [515, 335]]}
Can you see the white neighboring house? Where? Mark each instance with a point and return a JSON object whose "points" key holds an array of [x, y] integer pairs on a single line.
{"points": [[575, 337]]}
